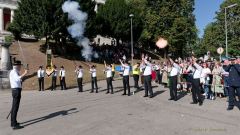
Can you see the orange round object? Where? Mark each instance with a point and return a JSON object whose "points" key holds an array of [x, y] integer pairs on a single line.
{"points": [[161, 43]]}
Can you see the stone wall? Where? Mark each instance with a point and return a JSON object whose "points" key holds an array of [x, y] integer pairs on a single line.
{"points": [[4, 80]]}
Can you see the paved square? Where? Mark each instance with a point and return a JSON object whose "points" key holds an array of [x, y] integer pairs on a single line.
{"points": [[72, 113]]}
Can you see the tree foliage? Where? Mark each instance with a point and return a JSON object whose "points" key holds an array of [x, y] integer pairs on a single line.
{"points": [[173, 20], [114, 21], [214, 34], [45, 18]]}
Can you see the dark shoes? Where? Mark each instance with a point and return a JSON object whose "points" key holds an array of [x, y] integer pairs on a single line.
{"points": [[193, 103], [230, 108], [151, 96], [17, 127], [170, 99], [200, 103], [107, 92], [145, 96], [124, 94]]}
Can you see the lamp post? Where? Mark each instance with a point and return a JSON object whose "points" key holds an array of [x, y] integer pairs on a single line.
{"points": [[132, 53], [226, 30]]}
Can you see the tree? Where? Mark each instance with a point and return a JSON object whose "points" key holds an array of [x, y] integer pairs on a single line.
{"points": [[45, 18], [214, 34], [173, 20], [114, 21]]}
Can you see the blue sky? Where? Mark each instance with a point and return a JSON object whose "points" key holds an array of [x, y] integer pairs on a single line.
{"points": [[205, 13]]}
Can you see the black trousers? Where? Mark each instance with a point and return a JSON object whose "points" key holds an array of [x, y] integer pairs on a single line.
{"points": [[54, 81], [173, 87], [136, 80], [79, 81], [63, 83], [232, 92], [196, 93], [41, 83], [109, 84], [113, 74], [148, 85], [159, 77], [126, 85], [94, 83], [16, 94]]}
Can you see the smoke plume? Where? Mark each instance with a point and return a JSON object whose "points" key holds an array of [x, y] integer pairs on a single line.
{"points": [[77, 29]]}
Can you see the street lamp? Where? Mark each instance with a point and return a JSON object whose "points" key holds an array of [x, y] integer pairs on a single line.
{"points": [[226, 31], [132, 54]]}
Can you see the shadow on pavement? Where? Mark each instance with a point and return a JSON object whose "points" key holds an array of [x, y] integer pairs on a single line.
{"points": [[52, 115], [158, 93]]}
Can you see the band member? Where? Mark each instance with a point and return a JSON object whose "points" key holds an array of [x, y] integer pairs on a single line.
{"points": [[148, 78], [41, 75], [173, 79], [136, 73], [196, 94], [157, 68], [16, 86], [108, 71], [54, 78], [126, 70], [79, 72], [234, 86], [93, 73], [62, 74]]}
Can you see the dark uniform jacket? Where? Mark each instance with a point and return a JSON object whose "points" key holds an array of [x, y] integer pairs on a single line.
{"points": [[234, 75]]}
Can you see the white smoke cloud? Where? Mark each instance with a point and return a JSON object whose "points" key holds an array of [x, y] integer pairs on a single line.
{"points": [[77, 29]]}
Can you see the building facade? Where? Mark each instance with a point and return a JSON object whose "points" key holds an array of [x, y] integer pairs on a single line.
{"points": [[7, 8]]}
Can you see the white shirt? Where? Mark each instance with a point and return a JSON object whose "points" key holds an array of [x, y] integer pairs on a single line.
{"points": [[205, 72], [175, 70], [79, 73], [157, 67], [93, 72], [126, 70], [148, 69], [41, 73], [196, 71], [108, 72], [62, 73], [15, 79], [54, 74]]}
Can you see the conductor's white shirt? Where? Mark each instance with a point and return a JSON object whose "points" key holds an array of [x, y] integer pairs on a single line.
{"points": [[15, 79]]}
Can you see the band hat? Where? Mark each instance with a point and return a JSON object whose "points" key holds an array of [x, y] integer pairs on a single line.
{"points": [[17, 63]]}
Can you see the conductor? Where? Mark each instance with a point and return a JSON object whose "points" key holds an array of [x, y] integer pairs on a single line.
{"points": [[16, 86]]}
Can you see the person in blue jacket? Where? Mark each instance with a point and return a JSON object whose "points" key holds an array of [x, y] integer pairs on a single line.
{"points": [[234, 82]]}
